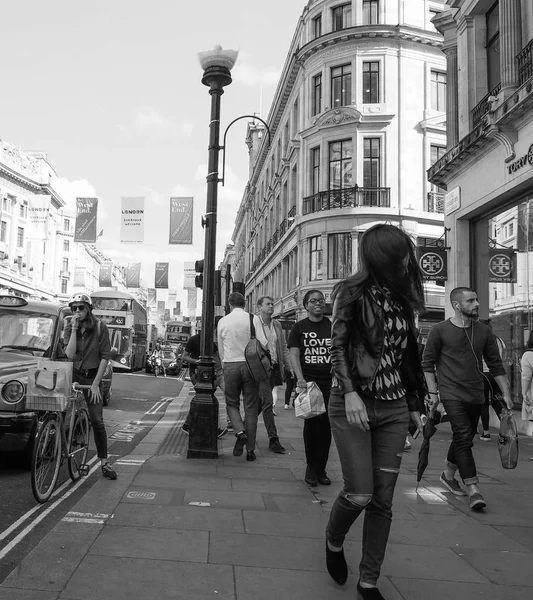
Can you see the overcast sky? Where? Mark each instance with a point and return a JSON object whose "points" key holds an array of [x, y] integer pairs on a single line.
{"points": [[111, 91]]}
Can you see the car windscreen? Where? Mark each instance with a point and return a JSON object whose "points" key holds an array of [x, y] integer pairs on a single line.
{"points": [[26, 330]]}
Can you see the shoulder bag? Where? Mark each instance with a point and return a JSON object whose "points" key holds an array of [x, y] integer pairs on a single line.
{"points": [[257, 358]]}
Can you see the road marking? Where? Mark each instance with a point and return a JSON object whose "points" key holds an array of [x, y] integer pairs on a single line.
{"points": [[16, 540], [77, 517], [130, 461]]}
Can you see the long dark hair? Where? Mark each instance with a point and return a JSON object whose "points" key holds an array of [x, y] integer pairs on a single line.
{"points": [[90, 321], [382, 248]]}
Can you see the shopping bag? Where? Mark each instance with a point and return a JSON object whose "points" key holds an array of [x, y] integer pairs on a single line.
{"points": [[527, 412], [257, 358], [310, 402], [49, 385], [508, 440]]}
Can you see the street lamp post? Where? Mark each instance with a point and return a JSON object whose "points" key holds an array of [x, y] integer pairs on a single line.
{"points": [[217, 65]]}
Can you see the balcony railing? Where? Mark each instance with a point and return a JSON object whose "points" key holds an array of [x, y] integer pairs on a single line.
{"points": [[347, 197], [435, 202], [525, 63], [482, 107]]}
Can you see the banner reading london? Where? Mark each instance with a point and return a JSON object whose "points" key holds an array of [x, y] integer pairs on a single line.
{"points": [[38, 214], [181, 210], [132, 221], [86, 212]]}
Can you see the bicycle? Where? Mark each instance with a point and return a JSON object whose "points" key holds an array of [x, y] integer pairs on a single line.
{"points": [[56, 444]]}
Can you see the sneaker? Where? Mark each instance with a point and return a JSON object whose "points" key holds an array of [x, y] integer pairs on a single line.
{"points": [[477, 502], [221, 431], [452, 485], [275, 446], [238, 449], [485, 437], [287, 407], [108, 472], [185, 428]]}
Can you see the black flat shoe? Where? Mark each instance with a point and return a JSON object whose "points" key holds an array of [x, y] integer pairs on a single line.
{"points": [[250, 456], [239, 444], [324, 480], [336, 565], [310, 478], [368, 593]]}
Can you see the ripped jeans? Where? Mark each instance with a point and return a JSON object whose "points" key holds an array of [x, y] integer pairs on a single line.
{"points": [[370, 462]]}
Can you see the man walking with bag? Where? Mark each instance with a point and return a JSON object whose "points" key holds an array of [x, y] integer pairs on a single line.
{"points": [[269, 333], [233, 336], [454, 352]]}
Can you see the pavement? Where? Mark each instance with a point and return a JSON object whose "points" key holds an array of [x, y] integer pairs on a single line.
{"points": [[197, 529]]}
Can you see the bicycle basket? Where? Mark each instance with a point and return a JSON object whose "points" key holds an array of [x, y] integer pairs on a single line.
{"points": [[54, 403]]}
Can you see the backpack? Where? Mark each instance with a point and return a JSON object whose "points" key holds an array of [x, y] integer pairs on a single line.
{"points": [[257, 358]]}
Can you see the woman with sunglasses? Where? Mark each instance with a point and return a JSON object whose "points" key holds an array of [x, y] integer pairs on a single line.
{"points": [[378, 384], [309, 346], [88, 346]]}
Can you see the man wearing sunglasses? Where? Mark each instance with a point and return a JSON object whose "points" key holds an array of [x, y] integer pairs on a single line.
{"points": [[88, 346]]}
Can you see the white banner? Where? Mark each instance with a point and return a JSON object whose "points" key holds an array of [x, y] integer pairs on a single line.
{"points": [[132, 221], [171, 299], [189, 273], [38, 213], [192, 295]]}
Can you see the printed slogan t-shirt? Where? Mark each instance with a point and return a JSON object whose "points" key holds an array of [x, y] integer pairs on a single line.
{"points": [[314, 341]]}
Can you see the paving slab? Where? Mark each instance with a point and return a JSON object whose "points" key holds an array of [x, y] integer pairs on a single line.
{"points": [[130, 578], [51, 563], [283, 524], [13, 594], [416, 561], [293, 487], [172, 465], [501, 568], [242, 472], [152, 543], [222, 499], [190, 518], [183, 481], [417, 589], [307, 504], [522, 535]]}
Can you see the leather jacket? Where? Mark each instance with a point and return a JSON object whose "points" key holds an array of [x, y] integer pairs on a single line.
{"points": [[357, 344]]}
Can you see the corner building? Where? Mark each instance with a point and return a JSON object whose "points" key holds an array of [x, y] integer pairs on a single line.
{"points": [[357, 118], [488, 167]]}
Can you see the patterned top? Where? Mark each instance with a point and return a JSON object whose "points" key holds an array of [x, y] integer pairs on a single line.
{"points": [[387, 384]]}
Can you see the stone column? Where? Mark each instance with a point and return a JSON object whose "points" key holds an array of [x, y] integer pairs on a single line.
{"points": [[452, 98], [510, 44]]}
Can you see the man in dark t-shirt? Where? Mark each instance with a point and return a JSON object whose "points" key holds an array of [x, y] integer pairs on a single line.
{"points": [[191, 355]]}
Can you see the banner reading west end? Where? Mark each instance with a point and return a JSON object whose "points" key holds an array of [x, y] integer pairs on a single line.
{"points": [[86, 214], [106, 270], [133, 275], [161, 275], [38, 214], [181, 210], [132, 221]]}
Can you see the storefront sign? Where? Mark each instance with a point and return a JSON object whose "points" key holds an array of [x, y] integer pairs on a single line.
{"points": [[452, 200], [433, 262], [502, 265], [521, 161]]}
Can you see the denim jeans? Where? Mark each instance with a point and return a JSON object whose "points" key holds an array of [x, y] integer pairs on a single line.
{"points": [[317, 437], [267, 401], [96, 414], [237, 380], [464, 418], [370, 462]]}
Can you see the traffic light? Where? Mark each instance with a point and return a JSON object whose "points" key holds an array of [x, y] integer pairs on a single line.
{"points": [[199, 268]]}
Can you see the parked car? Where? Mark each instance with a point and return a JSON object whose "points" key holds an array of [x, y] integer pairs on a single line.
{"points": [[29, 330]]}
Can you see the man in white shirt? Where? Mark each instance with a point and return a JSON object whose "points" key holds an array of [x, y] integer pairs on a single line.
{"points": [[233, 336], [270, 334]]}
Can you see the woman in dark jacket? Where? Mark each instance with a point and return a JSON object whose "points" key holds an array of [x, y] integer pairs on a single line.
{"points": [[378, 382], [88, 346]]}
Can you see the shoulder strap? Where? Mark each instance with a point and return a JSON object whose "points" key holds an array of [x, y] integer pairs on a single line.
{"points": [[252, 327], [98, 326]]}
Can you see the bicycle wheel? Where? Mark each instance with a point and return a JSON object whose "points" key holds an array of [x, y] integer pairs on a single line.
{"points": [[78, 444], [46, 459]]}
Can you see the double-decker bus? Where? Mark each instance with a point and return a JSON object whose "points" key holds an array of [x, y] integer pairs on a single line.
{"points": [[177, 333], [127, 322]]}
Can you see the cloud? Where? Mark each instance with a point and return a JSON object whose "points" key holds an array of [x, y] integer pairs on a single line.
{"points": [[78, 188], [147, 123], [248, 74]]}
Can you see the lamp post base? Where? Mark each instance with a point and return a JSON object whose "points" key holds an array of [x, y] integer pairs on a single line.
{"points": [[203, 441]]}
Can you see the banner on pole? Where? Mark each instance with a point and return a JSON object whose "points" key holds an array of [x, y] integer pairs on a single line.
{"points": [[132, 221], [38, 214], [151, 295], [161, 275], [133, 275], [189, 273], [192, 295], [160, 307], [433, 262], [502, 265], [181, 211], [106, 272], [171, 298], [86, 214], [178, 308]]}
